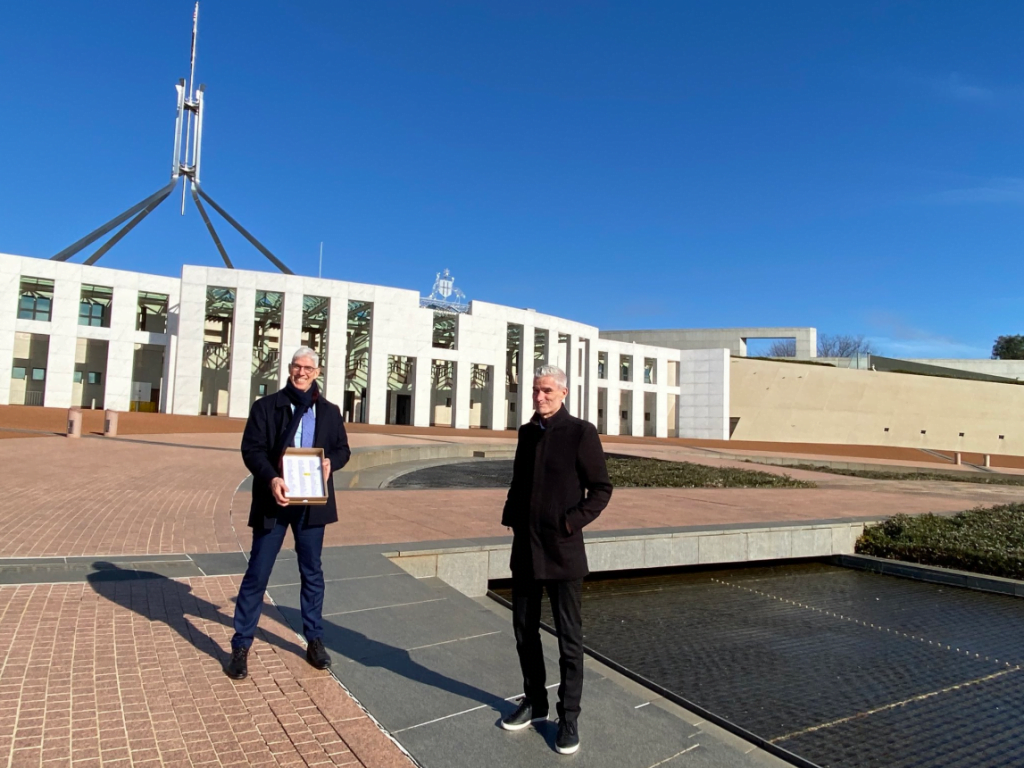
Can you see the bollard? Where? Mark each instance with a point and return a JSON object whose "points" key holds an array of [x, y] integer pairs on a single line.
{"points": [[988, 460], [74, 422], [110, 424], [957, 458]]}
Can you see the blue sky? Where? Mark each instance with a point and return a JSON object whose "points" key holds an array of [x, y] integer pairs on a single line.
{"points": [[854, 167]]}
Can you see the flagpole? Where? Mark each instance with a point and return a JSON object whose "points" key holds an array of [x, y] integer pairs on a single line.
{"points": [[320, 271], [188, 115]]}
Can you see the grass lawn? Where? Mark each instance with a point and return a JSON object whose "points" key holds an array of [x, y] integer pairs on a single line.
{"points": [[636, 472], [955, 477]]}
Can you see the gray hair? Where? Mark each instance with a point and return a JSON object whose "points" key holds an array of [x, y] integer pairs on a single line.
{"points": [[554, 372], [307, 352]]}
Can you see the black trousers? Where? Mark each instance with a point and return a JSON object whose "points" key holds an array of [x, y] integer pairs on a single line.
{"points": [[565, 605]]}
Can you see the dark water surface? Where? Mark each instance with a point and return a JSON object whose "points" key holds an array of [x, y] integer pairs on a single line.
{"points": [[489, 473], [845, 668]]}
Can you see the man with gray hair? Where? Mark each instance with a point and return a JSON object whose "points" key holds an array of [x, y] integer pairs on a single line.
{"points": [[296, 416], [559, 485]]}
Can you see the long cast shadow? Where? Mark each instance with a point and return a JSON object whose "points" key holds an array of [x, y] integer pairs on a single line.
{"points": [[159, 598], [373, 653]]}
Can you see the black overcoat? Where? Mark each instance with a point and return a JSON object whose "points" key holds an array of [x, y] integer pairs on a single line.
{"points": [[559, 485], [267, 421]]}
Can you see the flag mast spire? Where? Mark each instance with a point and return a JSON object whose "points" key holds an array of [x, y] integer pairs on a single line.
{"points": [[191, 95]]}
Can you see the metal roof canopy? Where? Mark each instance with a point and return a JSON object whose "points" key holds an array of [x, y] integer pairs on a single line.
{"points": [[190, 113]]}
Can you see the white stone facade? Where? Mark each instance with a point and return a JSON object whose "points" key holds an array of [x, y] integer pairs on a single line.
{"points": [[621, 387]]}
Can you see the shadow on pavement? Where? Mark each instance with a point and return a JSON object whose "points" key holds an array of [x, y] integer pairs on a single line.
{"points": [[159, 598], [367, 652]]}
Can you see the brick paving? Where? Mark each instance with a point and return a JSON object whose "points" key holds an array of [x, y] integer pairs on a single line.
{"points": [[129, 673], [97, 496]]}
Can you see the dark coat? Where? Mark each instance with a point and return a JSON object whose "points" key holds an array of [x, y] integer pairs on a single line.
{"points": [[559, 484], [267, 420]]}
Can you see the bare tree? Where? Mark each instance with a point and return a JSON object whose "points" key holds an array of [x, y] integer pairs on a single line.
{"points": [[843, 345], [838, 345], [782, 348]]}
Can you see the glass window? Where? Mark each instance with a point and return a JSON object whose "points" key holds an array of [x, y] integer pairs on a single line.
{"points": [[602, 365], [444, 330], [94, 307], [17, 372], [38, 374], [94, 377], [625, 364], [78, 377], [152, 316], [650, 365], [35, 299], [316, 313]]}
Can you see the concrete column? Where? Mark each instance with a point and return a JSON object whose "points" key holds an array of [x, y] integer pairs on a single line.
{"points": [[170, 361], [661, 381], [377, 383], [337, 350], [189, 355], [636, 412], [704, 394], [240, 381], [807, 343], [121, 348], [524, 399], [461, 393], [572, 378], [10, 282], [421, 391], [60, 363], [499, 408], [291, 331], [613, 406], [591, 382]]}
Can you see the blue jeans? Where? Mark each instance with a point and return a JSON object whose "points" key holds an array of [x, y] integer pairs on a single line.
{"points": [[266, 543]]}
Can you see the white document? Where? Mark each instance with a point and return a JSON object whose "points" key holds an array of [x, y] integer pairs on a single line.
{"points": [[304, 477]]}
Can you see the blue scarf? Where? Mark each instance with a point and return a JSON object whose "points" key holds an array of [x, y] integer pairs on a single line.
{"points": [[302, 401]]}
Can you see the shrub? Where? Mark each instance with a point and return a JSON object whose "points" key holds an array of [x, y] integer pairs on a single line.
{"points": [[989, 541]]}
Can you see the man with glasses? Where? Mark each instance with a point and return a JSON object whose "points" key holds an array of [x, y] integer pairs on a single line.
{"points": [[296, 416]]}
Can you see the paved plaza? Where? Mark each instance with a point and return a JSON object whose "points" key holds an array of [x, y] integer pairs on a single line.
{"points": [[122, 557]]}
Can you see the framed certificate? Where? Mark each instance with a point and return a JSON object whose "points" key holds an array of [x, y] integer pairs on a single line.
{"points": [[303, 473]]}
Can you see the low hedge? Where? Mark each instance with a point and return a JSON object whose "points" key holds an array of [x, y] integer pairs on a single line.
{"points": [[983, 540], [636, 472]]}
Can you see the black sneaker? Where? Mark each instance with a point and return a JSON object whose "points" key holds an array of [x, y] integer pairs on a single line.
{"points": [[238, 667], [317, 655], [568, 739], [524, 715]]}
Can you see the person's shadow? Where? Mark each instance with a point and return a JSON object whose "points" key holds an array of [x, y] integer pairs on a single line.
{"points": [[159, 598], [368, 652]]}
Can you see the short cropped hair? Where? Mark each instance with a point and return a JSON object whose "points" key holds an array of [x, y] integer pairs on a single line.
{"points": [[554, 372], [307, 352]]}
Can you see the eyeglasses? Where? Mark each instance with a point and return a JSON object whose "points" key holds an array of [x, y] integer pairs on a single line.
{"points": [[303, 368]]}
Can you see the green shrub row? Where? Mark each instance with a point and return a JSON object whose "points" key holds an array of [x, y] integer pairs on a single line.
{"points": [[989, 541], [635, 472]]}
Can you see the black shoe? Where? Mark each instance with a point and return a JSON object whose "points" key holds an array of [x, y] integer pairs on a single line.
{"points": [[238, 667], [525, 715], [568, 739], [317, 655]]}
